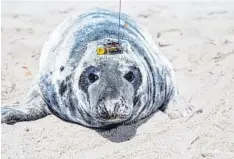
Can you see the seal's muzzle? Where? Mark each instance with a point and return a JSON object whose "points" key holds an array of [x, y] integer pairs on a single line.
{"points": [[111, 106], [113, 110]]}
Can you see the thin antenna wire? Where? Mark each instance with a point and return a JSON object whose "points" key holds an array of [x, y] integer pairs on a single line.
{"points": [[119, 18]]}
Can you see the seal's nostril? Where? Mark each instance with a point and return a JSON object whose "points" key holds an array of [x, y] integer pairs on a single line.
{"points": [[102, 111]]}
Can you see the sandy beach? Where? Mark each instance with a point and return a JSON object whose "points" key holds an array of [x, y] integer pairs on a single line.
{"points": [[198, 39]]}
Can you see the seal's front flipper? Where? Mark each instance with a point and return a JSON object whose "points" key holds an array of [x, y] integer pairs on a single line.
{"points": [[14, 114], [177, 108], [35, 108]]}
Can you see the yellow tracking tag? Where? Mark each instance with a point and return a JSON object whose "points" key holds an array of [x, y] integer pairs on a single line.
{"points": [[100, 50]]}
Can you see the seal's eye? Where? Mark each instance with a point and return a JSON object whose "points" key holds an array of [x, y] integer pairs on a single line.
{"points": [[92, 77], [129, 76]]}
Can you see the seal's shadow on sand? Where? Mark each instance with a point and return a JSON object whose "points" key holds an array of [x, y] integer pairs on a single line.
{"points": [[121, 133]]}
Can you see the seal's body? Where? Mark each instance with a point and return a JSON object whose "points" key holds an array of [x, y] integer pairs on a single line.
{"points": [[80, 85]]}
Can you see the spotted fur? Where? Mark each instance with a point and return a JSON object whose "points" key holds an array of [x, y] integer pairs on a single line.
{"points": [[69, 53]]}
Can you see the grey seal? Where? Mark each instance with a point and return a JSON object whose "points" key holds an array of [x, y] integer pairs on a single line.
{"points": [[80, 85]]}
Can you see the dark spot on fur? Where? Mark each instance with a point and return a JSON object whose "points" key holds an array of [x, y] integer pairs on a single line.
{"points": [[72, 105], [68, 77], [161, 87], [85, 64], [135, 100], [61, 68], [62, 88], [51, 72]]}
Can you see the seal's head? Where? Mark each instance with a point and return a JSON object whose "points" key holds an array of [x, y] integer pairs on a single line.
{"points": [[109, 84], [110, 87]]}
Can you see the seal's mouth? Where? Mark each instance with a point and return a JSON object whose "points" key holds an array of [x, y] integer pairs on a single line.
{"points": [[112, 121]]}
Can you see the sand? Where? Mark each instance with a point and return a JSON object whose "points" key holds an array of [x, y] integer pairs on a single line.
{"points": [[198, 38]]}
